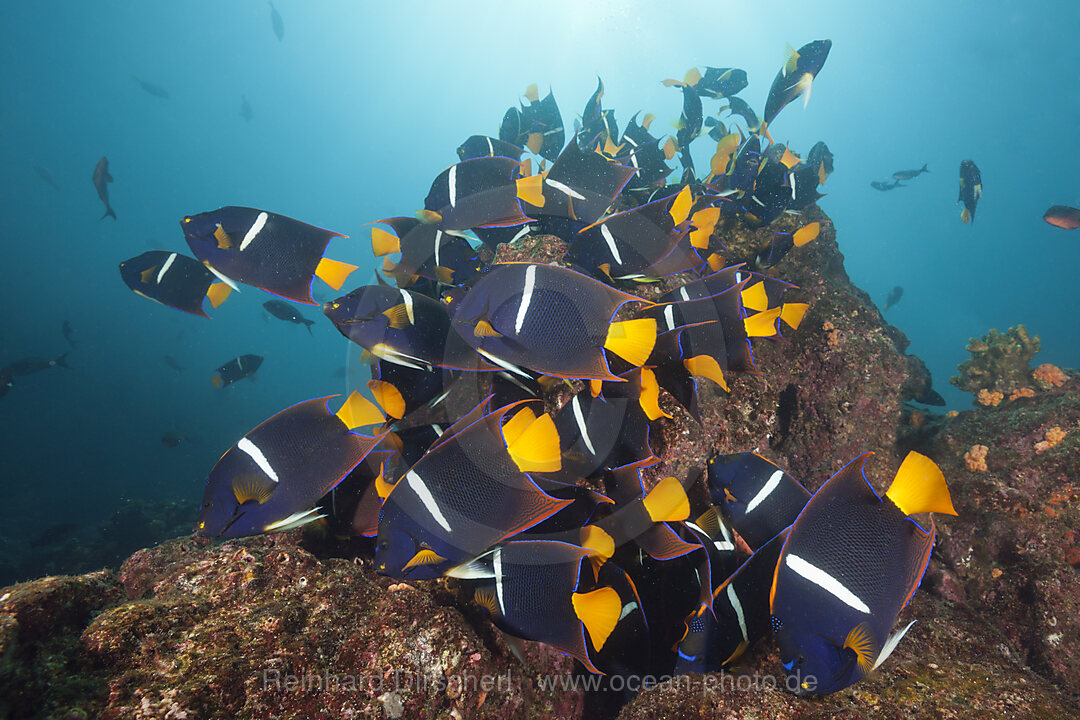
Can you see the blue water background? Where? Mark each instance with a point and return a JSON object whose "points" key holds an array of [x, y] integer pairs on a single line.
{"points": [[362, 104]]}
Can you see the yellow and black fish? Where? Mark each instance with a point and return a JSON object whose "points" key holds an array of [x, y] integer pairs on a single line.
{"points": [[970, 190], [174, 280]]}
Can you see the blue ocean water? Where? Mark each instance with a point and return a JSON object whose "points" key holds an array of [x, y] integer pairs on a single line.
{"points": [[360, 105]]}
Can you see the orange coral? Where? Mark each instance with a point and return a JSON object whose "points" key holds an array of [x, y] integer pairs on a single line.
{"points": [[1049, 376], [1021, 392], [975, 458], [990, 398], [1053, 436], [952, 413]]}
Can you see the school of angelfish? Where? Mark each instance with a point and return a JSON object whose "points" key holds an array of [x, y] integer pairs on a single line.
{"points": [[513, 401]]}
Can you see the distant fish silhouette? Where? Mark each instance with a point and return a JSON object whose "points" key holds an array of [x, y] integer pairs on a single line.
{"points": [[102, 178], [245, 109], [276, 21], [152, 89], [910, 174], [44, 175], [171, 362], [883, 186], [894, 297], [68, 333]]}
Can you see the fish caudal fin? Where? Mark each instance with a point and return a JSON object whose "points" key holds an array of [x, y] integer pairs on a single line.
{"points": [[108, 213], [217, 293], [632, 340], [384, 243], [533, 442], [706, 366], [334, 272], [793, 313], [599, 612], [919, 487], [667, 502], [762, 324], [530, 189], [388, 397], [806, 233], [359, 411], [216, 381]]}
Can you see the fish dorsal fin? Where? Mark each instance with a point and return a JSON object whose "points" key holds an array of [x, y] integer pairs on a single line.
{"points": [[861, 642], [806, 233], [919, 487], [333, 272], [599, 612], [359, 411], [252, 486], [667, 501], [388, 397], [891, 644]]}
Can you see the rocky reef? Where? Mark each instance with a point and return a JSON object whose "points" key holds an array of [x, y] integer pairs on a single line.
{"points": [[294, 626]]}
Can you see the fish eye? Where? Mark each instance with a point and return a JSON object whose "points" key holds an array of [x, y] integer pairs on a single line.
{"points": [[800, 660]]}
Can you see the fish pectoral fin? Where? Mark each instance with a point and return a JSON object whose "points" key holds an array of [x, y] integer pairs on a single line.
{"points": [[632, 340], [359, 411], [252, 486], [599, 612], [422, 557], [484, 329], [224, 242], [333, 272], [295, 520], [667, 502], [860, 641], [400, 316], [919, 487], [891, 644]]}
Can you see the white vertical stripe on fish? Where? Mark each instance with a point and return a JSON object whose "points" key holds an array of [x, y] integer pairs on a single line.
{"points": [[254, 230]]}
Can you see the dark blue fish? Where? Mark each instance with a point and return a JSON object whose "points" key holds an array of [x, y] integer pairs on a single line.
{"points": [[174, 280], [276, 22], [755, 497], [970, 189], [101, 180], [272, 479], [851, 561], [151, 89], [795, 78], [236, 369], [427, 251], [482, 192], [284, 311]]}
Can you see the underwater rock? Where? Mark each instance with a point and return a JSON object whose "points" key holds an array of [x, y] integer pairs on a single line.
{"points": [[1014, 550], [1000, 365]]}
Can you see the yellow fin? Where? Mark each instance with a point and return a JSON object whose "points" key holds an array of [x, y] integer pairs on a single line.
{"points": [[704, 222], [650, 395], [428, 217], [596, 540], [485, 598], [706, 366], [692, 77], [217, 292], [672, 82], [806, 233], [667, 502], [599, 612], [715, 262], [595, 387], [647, 121], [632, 340], [965, 215], [792, 313], [252, 486], [821, 174], [383, 242], [424, 557], [739, 650], [536, 448], [788, 158], [513, 428], [919, 487], [388, 397], [610, 148], [359, 411], [333, 272], [669, 148], [525, 167], [399, 316], [535, 142], [709, 521], [216, 380], [861, 642], [444, 275], [532, 93], [754, 297], [224, 242], [484, 329], [531, 189], [792, 60], [680, 207], [762, 324], [146, 275]]}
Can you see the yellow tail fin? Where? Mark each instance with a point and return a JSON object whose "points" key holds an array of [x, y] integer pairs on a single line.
{"points": [[706, 366], [680, 207], [359, 411], [388, 397], [704, 222], [667, 502], [531, 189], [532, 94], [792, 313], [513, 428], [806, 233], [596, 540], [536, 447], [650, 395], [755, 297], [632, 340], [919, 487], [762, 324], [217, 292], [216, 381], [384, 243], [599, 612], [333, 272]]}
